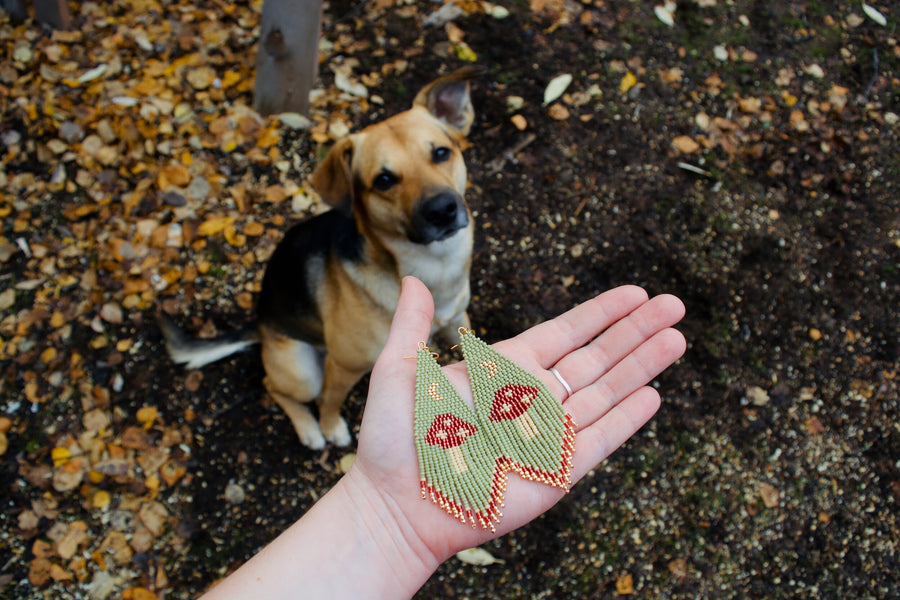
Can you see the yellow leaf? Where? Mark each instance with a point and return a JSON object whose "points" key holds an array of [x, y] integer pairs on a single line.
{"points": [[214, 226], [60, 455], [625, 585], [269, 137], [234, 238], [463, 52], [229, 79], [101, 499], [147, 415], [48, 355], [789, 99], [628, 82], [152, 483]]}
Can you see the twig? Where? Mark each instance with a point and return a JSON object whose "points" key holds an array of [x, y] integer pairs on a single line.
{"points": [[510, 154], [875, 60], [693, 169]]}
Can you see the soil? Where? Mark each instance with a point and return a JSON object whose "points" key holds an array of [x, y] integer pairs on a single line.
{"points": [[772, 469]]}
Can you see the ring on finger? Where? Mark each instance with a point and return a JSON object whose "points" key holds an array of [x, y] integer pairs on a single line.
{"points": [[562, 380]]}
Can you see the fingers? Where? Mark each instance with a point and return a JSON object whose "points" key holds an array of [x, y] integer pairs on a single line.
{"points": [[554, 339], [635, 370], [595, 443], [411, 324], [585, 365]]}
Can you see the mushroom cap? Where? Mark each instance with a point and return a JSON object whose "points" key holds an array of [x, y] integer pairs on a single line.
{"points": [[449, 431], [511, 401]]}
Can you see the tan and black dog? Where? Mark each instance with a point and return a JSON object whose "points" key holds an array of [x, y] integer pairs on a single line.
{"points": [[333, 282]]}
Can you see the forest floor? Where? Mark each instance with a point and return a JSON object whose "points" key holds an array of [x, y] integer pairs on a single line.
{"points": [[745, 158]]}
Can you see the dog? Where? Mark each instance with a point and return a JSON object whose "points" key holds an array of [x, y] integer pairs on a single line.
{"points": [[331, 286]]}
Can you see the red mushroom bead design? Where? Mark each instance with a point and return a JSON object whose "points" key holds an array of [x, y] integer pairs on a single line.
{"points": [[511, 403], [450, 433]]}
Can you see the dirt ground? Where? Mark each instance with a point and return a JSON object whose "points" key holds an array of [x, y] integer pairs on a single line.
{"points": [[745, 159]]}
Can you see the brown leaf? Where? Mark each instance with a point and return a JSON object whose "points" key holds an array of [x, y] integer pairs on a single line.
{"points": [[116, 545], [685, 144], [558, 112], [57, 573], [813, 426], [153, 515], [135, 438], [678, 568], [170, 175], [769, 495], [193, 380], [39, 572], [625, 584]]}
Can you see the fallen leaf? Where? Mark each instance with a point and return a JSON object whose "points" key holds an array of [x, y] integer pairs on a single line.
{"points": [[769, 495], [678, 568], [813, 426], [214, 226], [685, 144], [874, 14], [146, 415], [39, 572], [665, 13], [60, 455], [351, 86], [193, 380], [557, 87], [627, 82], [101, 499], [57, 573], [346, 462], [153, 515], [757, 396], [112, 313], [477, 556], [625, 585], [558, 112]]}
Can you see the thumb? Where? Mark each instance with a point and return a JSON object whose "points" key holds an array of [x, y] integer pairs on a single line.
{"points": [[411, 325]]}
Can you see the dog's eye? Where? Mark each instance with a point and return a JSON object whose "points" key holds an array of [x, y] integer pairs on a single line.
{"points": [[385, 181], [440, 154]]}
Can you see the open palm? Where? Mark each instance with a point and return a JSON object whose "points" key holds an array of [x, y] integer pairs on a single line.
{"points": [[608, 349]]}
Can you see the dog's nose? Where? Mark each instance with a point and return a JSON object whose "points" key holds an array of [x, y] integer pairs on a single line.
{"points": [[438, 217], [440, 210]]}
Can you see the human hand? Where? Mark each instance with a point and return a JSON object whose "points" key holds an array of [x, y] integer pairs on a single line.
{"points": [[608, 349]]}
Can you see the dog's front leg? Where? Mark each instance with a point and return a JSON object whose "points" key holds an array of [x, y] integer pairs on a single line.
{"points": [[450, 330], [338, 383]]}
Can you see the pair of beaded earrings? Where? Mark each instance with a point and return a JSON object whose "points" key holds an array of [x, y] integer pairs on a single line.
{"points": [[464, 454]]}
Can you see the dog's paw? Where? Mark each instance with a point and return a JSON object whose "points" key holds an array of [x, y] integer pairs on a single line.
{"points": [[337, 432], [311, 437]]}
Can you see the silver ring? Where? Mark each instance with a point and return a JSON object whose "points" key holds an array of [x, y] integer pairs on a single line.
{"points": [[564, 383]]}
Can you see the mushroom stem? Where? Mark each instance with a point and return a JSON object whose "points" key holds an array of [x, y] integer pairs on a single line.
{"points": [[457, 459], [527, 427]]}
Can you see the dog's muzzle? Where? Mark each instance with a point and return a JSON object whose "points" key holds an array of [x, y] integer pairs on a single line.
{"points": [[438, 217]]}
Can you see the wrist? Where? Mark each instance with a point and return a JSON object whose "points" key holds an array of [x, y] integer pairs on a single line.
{"points": [[394, 547]]}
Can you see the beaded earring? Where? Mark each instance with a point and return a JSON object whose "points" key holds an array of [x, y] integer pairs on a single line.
{"points": [[518, 411], [465, 455], [456, 459]]}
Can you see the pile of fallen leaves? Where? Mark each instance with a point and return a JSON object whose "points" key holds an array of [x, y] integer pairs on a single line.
{"points": [[134, 173]]}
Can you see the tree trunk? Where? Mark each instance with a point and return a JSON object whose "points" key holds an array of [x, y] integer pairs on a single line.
{"points": [[53, 12], [287, 56]]}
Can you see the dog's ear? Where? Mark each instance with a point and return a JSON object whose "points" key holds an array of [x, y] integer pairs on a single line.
{"points": [[448, 99], [333, 178]]}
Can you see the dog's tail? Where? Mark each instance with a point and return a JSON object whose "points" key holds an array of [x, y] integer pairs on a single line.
{"points": [[196, 352]]}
